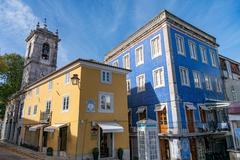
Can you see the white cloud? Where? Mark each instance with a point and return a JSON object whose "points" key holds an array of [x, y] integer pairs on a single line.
{"points": [[16, 18], [62, 56]]}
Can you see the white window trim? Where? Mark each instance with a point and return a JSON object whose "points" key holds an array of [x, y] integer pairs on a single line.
{"points": [[110, 77], [129, 92], [66, 95], [29, 110], [47, 102], [210, 82], [195, 48], [145, 107], [160, 85], [160, 47], [99, 102], [141, 62], [37, 91], [49, 89], [115, 62], [180, 68], [65, 76], [199, 113], [199, 73], [34, 114], [200, 48], [218, 84], [156, 112], [212, 56], [144, 88], [180, 53], [127, 54]]}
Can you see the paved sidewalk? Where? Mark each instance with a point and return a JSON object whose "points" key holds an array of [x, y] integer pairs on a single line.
{"points": [[25, 153]]}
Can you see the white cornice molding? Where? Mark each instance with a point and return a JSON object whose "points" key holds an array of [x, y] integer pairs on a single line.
{"points": [[156, 22]]}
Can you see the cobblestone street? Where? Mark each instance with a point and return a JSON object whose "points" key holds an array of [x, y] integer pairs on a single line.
{"points": [[12, 152]]}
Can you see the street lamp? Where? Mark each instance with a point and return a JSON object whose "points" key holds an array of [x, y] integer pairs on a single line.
{"points": [[75, 80]]}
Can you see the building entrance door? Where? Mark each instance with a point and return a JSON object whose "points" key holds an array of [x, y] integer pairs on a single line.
{"points": [[63, 138], [164, 149], [193, 149], [106, 145]]}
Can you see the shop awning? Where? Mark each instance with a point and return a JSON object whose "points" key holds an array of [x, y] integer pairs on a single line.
{"points": [[190, 107], [159, 107], [110, 127], [203, 107], [141, 110], [35, 127], [55, 126]]}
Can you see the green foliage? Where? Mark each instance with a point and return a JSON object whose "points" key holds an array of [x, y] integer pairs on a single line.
{"points": [[11, 69]]}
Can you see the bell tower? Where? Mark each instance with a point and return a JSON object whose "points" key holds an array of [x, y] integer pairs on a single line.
{"points": [[41, 54]]}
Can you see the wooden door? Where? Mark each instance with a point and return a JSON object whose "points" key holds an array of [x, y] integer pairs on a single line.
{"points": [[164, 149], [190, 120], [142, 115], [203, 115], [162, 121], [193, 149]]}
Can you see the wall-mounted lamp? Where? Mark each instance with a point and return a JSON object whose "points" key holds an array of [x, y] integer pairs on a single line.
{"points": [[75, 80]]}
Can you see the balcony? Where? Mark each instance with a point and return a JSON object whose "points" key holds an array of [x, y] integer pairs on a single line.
{"points": [[203, 127], [45, 117]]}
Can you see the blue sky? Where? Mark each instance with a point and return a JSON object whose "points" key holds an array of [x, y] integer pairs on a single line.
{"points": [[90, 28]]}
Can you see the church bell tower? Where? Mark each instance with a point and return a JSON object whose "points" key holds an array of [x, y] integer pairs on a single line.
{"points": [[41, 54]]}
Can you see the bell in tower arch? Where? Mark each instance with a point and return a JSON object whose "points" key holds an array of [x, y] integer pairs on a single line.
{"points": [[45, 51]]}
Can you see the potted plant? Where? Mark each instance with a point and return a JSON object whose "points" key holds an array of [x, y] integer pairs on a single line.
{"points": [[95, 153], [49, 151], [120, 153]]}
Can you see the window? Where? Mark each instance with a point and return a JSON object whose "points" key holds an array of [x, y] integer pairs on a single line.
{"points": [[203, 54], [105, 102], [126, 61], [184, 76], [37, 91], [140, 83], [67, 78], [153, 145], [192, 49], [128, 86], [180, 45], [139, 55], [208, 82], [29, 110], [115, 63], [142, 145], [218, 85], [65, 106], [48, 106], [50, 85], [106, 77], [29, 50], [156, 47], [158, 77], [142, 112], [197, 79], [213, 58], [35, 110], [45, 51]]}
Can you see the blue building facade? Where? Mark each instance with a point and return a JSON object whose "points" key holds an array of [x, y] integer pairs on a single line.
{"points": [[175, 80]]}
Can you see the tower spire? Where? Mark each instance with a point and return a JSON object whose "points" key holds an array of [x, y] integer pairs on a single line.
{"points": [[45, 23]]}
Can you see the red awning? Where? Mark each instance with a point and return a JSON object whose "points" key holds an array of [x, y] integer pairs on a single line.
{"points": [[234, 108]]}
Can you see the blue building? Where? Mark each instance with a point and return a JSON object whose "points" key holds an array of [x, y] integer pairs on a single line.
{"points": [[175, 80]]}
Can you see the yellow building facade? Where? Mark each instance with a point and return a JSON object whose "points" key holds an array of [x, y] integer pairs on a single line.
{"points": [[77, 108]]}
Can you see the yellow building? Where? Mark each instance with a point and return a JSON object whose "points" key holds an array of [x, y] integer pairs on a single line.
{"points": [[79, 107]]}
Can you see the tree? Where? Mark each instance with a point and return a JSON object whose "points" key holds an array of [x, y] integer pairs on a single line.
{"points": [[11, 69]]}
